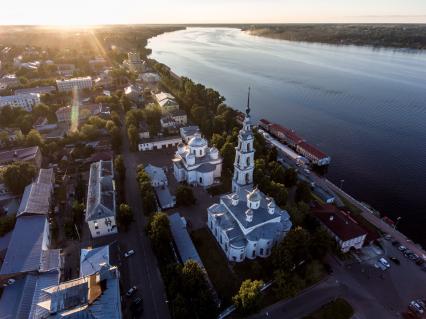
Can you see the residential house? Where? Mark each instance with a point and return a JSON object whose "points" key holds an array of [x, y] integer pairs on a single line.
{"points": [[101, 205], [158, 143], [25, 101], [79, 83], [188, 132], [166, 101], [134, 93], [29, 154], [341, 226]]}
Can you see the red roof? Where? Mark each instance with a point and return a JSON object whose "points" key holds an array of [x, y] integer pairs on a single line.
{"points": [[290, 134], [312, 150], [265, 121], [338, 222]]}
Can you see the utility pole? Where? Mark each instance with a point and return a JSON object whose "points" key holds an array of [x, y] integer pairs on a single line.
{"points": [[397, 221]]}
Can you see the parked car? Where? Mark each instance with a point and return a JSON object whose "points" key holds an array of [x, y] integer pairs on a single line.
{"points": [[407, 253], [396, 243], [137, 305], [129, 253], [131, 291], [420, 261], [388, 237], [9, 282], [413, 257], [395, 260], [417, 306], [384, 262], [402, 248]]}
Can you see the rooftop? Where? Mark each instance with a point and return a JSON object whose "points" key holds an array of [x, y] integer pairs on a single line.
{"points": [[24, 252], [338, 222], [21, 154], [155, 173], [183, 241], [101, 191], [95, 296], [312, 150], [37, 196], [92, 259]]}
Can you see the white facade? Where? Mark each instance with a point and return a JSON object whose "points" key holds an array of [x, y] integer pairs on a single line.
{"points": [[26, 101], [157, 144], [101, 206], [246, 223], [66, 85], [196, 163]]}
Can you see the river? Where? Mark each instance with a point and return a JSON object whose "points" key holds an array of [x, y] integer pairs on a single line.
{"points": [[365, 107]]}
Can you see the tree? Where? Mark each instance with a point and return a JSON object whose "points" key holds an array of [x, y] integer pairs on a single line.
{"points": [[77, 212], [119, 167], [292, 251], [80, 188], [34, 138], [133, 135], [7, 223], [278, 173], [303, 192], [40, 110], [290, 177], [18, 175], [279, 193], [125, 216], [248, 298], [320, 244], [287, 284], [217, 140], [184, 196], [89, 132], [228, 153], [193, 278], [158, 230]]}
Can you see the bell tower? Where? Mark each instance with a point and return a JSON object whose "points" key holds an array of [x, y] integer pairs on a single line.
{"points": [[244, 155]]}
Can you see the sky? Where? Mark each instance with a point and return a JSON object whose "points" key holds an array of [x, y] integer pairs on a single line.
{"points": [[90, 12]]}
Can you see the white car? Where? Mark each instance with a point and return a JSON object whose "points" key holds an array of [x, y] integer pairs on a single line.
{"points": [[9, 282], [384, 262], [131, 291], [129, 253]]}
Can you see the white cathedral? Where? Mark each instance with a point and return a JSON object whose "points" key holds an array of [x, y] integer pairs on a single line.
{"points": [[247, 223], [196, 163]]}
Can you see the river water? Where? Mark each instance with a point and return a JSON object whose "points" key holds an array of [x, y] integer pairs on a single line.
{"points": [[364, 107]]}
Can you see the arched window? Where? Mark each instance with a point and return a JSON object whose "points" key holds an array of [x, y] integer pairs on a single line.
{"points": [[248, 161], [247, 178], [248, 147]]}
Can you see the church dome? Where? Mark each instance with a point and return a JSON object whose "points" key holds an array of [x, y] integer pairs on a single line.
{"points": [[249, 215], [254, 196], [197, 141]]}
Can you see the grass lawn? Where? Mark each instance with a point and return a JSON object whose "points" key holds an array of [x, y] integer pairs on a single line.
{"points": [[223, 279], [337, 309]]}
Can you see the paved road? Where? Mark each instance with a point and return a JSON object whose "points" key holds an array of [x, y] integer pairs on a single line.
{"points": [[376, 221], [141, 269], [366, 212], [339, 284]]}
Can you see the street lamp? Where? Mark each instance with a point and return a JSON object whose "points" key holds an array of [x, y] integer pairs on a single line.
{"points": [[341, 183], [397, 221]]}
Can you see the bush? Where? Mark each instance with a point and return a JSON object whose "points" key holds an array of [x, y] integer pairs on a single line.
{"points": [[249, 296], [6, 224], [184, 196]]}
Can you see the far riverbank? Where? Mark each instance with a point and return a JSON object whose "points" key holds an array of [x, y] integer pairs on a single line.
{"points": [[397, 36]]}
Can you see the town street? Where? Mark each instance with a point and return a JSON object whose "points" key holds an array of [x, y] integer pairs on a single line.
{"points": [[339, 284], [141, 269]]}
